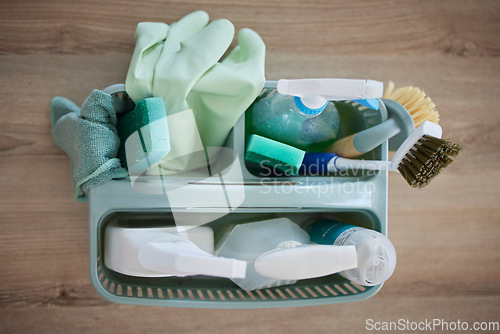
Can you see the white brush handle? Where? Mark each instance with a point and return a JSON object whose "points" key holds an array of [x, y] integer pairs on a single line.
{"points": [[322, 162], [339, 163], [334, 163], [427, 128]]}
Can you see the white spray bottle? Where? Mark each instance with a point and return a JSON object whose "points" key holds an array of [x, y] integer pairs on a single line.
{"points": [[161, 252], [277, 252], [376, 253]]}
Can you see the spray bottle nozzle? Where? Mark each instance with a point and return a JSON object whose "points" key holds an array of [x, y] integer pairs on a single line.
{"points": [[184, 258], [306, 261], [314, 93]]}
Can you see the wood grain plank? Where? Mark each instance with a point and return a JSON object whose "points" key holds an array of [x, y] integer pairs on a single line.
{"points": [[342, 318], [445, 235], [328, 27]]}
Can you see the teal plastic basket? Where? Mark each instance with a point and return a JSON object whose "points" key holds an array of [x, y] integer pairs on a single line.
{"points": [[356, 198]]}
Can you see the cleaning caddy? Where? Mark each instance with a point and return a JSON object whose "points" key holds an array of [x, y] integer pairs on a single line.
{"points": [[210, 187]]}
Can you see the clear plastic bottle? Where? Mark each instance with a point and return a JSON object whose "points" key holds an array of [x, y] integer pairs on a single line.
{"points": [[376, 254], [286, 119], [277, 252], [298, 112]]}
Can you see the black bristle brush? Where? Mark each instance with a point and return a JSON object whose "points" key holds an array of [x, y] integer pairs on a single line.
{"points": [[420, 158]]}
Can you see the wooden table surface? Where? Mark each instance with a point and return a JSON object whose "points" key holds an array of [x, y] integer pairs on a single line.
{"points": [[447, 235]]}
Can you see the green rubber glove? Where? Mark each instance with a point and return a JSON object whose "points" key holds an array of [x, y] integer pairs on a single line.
{"points": [[200, 95], [220, 97], [226, 90], [192, 47], [149, 38]]}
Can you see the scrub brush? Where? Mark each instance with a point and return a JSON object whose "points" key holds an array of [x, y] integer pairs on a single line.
{"points": [[407, 107], [418, 104], [419, 159]]}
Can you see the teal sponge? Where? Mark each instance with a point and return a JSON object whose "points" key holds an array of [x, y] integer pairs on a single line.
{"points": [[270, 153], [144, 135]]}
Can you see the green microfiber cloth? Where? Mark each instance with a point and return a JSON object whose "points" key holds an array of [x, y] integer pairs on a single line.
{"points": [[144, 135], [89, 137], [271, 153]]}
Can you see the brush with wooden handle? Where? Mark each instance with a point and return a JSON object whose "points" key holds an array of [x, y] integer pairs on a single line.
{"points": [[419, 159], [408, 107]]}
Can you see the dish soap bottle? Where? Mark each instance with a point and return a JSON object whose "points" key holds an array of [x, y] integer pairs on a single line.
{"points": [[375, 252], [298, 112]]}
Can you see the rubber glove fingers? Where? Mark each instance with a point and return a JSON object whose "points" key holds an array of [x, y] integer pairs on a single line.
{"points": [[216, 36], [185, 28], [225, 91], [149, 40], [250, 47], [178, 70], [251, 52], [244, 66]]}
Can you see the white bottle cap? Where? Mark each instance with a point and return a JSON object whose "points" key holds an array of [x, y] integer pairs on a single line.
{"points": [[184, 258], [306, 261], [376, 258], [315, 92]]}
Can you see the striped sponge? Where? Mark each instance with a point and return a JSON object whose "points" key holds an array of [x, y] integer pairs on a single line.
{"points": [[270, 153]]}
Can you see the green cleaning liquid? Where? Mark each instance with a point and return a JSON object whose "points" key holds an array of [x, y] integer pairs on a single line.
{"points": [[285, 119]]}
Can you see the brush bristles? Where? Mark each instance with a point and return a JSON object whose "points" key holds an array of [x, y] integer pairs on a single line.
{"points": [[428, 157], [415, 101]]}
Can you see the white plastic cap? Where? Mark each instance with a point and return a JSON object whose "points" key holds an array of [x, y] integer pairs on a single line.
{"points": [[174, 259], [306, 261], [315, 92], [427, 128], [376, 258]]}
